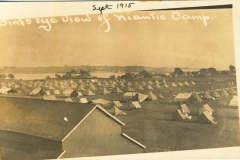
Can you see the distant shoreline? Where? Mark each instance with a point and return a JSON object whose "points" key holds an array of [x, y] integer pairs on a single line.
{"points": [[92, 69]]}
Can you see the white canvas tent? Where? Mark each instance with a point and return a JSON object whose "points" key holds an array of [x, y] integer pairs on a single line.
{"points": [[105, 91], [185, 83], [173, 84], [223, 93], [117, 104], [135, 105], [232, 91], [184, 108], [117, 90], [79, 94], [191, 83], [165, 85], [149, 87], [100, 101], [206, 95], [47, 93], [151, 96], [51, 98], [138, 87], [56, 92], [157, 86], [141, 97], [180, 114], [197, 98], [4, 90], [206, 117], [215, 94], [205, 107], [234, 101], [115, 111], [68, 100], [129, 95], [88, 92], [179, 84], [37, 91], [83, 100], [181, 97], [67, 92]]}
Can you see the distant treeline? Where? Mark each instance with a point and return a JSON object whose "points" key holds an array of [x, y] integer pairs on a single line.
{"points": [[64, 69], [178, 72], [72, 74], [146, 74], [203, 72], [3, 76]]}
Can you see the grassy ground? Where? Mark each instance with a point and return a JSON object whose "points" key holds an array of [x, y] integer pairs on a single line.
{"points": [[154, 127]]}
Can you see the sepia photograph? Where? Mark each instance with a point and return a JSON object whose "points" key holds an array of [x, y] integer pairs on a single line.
{"points": [[116, 79]]}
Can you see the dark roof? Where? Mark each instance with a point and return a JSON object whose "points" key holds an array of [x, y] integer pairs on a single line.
{"points": [[41, 118], [19, 150]]}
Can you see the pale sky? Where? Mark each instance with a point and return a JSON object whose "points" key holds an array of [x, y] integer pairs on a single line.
{"points": [[157, 43]]}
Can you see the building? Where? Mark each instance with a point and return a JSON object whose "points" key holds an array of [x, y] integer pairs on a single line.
{"points": [[38, 129]]}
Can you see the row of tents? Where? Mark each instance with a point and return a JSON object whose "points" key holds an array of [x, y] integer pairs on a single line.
{"points": [[180, 97], [199, 96], [58, 87], [113, 107], [93, 84]]}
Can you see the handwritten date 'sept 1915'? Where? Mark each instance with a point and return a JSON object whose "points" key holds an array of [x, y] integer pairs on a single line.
{"points": [[107, 6]]}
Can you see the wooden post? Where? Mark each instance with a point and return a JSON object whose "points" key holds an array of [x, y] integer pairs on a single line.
{"points": [[132, 94]]}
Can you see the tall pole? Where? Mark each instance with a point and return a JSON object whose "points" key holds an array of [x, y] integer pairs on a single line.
{"points": [[132, 94]]}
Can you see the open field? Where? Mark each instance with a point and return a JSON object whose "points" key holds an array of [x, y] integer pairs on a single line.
{"points": [[153, 126]]}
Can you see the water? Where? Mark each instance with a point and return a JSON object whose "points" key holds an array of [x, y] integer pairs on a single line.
{"points": [[33, 76], [106, 74], [52, 75]]}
